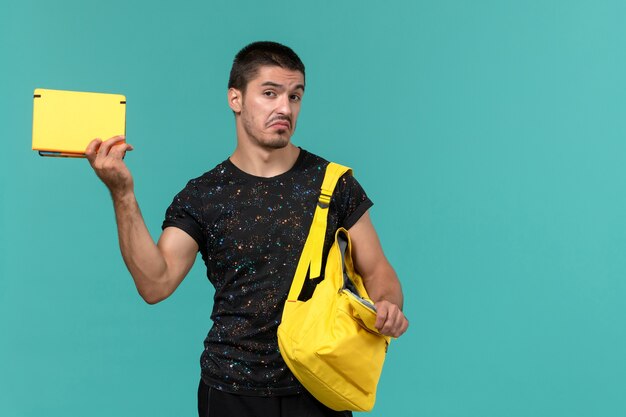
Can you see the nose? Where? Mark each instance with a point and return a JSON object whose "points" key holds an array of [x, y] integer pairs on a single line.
{"points": [[284, 105]]}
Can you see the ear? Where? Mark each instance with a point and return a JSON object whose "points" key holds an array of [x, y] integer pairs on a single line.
{"points": [[235, 99]]}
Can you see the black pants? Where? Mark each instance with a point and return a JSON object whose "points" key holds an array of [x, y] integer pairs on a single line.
{"points": [[216, 403]]}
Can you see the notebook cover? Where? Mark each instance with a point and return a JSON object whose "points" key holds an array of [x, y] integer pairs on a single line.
{"points": [[64, 122]]}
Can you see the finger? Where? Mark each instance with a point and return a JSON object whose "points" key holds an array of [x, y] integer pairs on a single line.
{"points": [[402, 326], [118, 151], [109, 143], [405, 326], [382, 311], [92, 149], [395, 322], [389, 328], [397, 325]]}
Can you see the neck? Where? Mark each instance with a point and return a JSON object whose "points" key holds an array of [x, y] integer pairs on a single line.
{"points": [[263, 162]]}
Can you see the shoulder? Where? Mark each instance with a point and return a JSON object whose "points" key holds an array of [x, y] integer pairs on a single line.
{"points": [[308, 161], [316, 161], [220, 171], [222, 174], [206, 188]]}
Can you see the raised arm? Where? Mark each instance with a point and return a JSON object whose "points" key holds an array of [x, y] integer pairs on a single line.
{"points": [[157, 269], [380, 279]]}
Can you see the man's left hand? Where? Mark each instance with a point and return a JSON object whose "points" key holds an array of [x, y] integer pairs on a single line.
{"points": [[390, 320]]}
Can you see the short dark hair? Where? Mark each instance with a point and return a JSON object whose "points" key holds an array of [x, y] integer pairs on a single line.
{"points": [[257, 54]]}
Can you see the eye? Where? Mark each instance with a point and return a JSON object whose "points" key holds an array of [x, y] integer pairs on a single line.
{"points": [[269, 93], [295, 97]]}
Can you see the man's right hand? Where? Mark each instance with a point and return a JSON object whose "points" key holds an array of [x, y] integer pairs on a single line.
{"points": [[106, 159]]}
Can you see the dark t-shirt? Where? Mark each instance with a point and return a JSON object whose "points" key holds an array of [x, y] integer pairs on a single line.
{"points": [[251, 231]]}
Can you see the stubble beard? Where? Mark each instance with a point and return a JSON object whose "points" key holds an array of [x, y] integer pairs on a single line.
{"points": [[275, 142]]}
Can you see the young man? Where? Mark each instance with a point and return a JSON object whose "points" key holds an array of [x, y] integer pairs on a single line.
{"points": [[249, 218]]}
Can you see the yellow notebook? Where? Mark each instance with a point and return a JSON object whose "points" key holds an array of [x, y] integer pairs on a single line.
{"points": [[64, 122]]}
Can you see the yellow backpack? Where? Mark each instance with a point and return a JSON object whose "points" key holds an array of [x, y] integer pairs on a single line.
{"points": [[329, 342]]}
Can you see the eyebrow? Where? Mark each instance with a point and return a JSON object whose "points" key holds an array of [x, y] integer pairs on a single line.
{"points": [[273, 84]]}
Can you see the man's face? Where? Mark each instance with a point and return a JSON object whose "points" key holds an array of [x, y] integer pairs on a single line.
{"points": [[270, 106]]}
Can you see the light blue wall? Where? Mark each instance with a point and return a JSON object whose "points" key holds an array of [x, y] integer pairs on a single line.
{"points": [[490, 134]]}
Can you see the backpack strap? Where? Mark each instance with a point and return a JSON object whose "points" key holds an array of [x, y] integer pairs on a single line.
{"points": [[311, 257]]}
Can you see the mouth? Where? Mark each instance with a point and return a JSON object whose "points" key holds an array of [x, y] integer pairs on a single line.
{"points": [[280, 124]]}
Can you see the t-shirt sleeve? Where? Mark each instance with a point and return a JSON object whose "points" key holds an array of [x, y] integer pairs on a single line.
{"points": [[185, 213], [351, 200]]}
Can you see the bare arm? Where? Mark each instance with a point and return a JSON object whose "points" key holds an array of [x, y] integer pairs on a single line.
{"points": [[157, 269], [380, 279]]}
